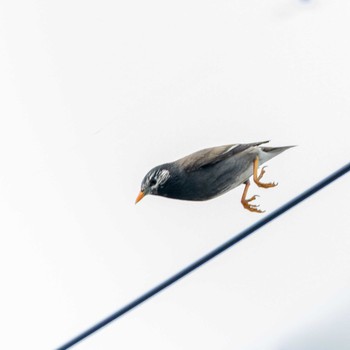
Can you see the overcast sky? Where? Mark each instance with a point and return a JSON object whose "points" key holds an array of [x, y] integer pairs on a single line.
{"points": [[94, 94]]}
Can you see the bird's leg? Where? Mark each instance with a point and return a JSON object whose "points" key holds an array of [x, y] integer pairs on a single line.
{"points": [[245, 201], [257, 177]]}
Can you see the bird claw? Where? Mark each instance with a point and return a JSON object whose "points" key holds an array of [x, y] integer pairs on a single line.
{"points": [[252, 198], [267, 185], [251, 207], [257, 177], [262, 172]]}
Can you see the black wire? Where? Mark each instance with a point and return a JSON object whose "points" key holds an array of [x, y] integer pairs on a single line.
{"points": [[265, 220]]}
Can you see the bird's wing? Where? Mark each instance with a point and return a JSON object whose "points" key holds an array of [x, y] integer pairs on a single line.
{"points": [[210, 156]]}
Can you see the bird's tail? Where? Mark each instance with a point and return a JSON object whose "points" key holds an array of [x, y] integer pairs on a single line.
{"points": [[268, 153], [275, 150]]}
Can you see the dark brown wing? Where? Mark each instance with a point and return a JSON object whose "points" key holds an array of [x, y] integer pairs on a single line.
{"points": [[210, 156]]}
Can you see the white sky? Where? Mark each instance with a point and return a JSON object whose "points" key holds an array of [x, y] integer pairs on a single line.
{"points": [[94, 94]]}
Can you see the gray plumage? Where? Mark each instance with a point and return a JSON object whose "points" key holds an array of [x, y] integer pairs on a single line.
{"points": [[207, 173]]}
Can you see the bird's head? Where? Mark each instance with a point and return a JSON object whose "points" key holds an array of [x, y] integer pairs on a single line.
{"points": [[153, 181]]}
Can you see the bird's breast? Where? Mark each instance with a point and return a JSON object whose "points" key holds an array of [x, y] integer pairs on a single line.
{"points": [[207, 182]]}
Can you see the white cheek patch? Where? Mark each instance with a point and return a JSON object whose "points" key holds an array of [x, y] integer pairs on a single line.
{"points": [[159, 177], [162, 177]]}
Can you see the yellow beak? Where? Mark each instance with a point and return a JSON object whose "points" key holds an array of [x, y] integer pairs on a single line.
{"points": [[140, 196]]}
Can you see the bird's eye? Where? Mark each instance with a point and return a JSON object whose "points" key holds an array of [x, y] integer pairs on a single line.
{"points": [[152, 182]]}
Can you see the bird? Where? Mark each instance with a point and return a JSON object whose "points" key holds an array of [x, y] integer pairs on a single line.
{"points": [[211, 172]]}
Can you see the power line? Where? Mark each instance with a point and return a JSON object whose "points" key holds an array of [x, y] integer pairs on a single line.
{"points": [[260, 223]]}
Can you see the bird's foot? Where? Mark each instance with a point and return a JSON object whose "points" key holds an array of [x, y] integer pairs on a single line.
{"points": [[251, 207], [257, 177]]}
